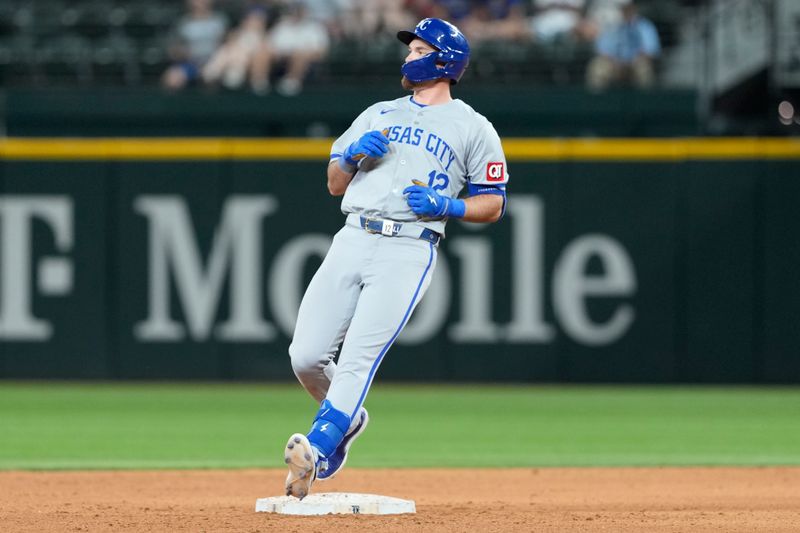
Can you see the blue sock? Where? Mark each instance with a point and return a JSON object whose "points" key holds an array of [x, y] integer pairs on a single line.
{"points": [[328, 429]]}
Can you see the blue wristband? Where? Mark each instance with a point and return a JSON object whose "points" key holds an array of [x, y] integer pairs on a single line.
{"points": [[456, 208]]}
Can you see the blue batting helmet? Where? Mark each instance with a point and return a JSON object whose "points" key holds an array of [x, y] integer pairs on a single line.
{"points": [[451, 58]]}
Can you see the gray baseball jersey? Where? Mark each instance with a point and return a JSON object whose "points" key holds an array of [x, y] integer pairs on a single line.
{"points": [[369, 283], [446, 146]]}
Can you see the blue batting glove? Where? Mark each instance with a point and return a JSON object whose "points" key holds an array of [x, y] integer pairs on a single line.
{"points": [[426, 202], [371, 144]]}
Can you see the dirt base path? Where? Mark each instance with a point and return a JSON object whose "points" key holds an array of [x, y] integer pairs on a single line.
{"points": [[483, 500]]}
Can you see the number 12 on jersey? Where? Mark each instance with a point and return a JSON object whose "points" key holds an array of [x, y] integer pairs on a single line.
{"points": [[438, 182]]}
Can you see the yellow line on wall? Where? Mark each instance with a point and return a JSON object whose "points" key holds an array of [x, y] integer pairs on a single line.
{"points": [[651, 149], [517, 149], [162, 149]]}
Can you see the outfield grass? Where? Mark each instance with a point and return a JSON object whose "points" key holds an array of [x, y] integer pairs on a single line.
{"points": [[66, 426]]}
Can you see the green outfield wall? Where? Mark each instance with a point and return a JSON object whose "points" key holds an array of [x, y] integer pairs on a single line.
{"points": [[617, 261], [519, 111]]}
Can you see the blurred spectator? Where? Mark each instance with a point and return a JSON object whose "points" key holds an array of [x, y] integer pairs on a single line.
{"points": [[242, 54], [299, 42], [495, 20], [195, 38], [625, 52], [423, 9], [554, 20], [366, 19], [454, 10], [601, 15], [333, 14]]}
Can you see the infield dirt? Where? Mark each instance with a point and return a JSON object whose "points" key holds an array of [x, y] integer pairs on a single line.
{"points": [[453, 500]]}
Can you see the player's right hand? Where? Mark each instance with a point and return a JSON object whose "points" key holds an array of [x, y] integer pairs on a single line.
{"points": [[371, 144]]}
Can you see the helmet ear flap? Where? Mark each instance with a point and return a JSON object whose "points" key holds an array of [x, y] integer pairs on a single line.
{"points": [[423, 69]]}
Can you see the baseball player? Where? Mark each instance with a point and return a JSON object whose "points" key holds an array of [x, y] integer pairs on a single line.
{"points": [[400, 166]]}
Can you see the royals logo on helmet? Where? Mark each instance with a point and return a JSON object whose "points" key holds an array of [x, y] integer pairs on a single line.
{"points": [[495, 171]]}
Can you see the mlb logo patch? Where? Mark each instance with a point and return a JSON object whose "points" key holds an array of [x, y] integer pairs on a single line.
{"points": [[495, 171]]}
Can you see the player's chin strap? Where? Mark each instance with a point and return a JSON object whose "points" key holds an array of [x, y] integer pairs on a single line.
{"points": [[329, 428]]}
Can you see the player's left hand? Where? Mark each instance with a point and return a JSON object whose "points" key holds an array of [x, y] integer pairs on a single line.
{"points": [[425, 201]]}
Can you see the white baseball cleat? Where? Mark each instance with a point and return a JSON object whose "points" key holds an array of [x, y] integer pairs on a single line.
{"points": [[303, 461]]}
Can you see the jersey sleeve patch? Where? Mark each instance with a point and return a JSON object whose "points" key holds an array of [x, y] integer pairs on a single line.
{"points": [[495, 171]]}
